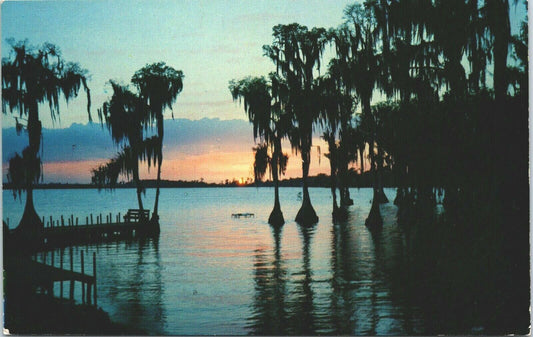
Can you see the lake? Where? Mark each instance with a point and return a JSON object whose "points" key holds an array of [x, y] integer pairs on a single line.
{"points": [[209, 273]]}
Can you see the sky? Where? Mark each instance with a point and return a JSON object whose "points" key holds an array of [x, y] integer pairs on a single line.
{"points": [[211, 41]]}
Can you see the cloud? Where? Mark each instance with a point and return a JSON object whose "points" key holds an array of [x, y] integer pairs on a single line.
{"points": [[208, 148]]}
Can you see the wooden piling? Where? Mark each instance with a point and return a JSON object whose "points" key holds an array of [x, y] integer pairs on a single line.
{"points": [[51, 289], [72, 219], [94, 275], [91, 218], [82, 283], [86, 220], [71, 281], [89, 297], [51, 221], [62, 222], [76, 221], [61, 251]]}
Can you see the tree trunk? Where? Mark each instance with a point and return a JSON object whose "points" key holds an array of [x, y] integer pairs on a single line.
{"points": [[343, 178], [30, 221], [276, 216], [333, 173], [306, 215], [158, 184], [138, 187], [343, 167], [374, 220], [160, 131], [502, 32], [382, 198]]}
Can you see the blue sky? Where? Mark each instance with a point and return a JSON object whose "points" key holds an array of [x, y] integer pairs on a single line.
{"points": [[211, 41]]}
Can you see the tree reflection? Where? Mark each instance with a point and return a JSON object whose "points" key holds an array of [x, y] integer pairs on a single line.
{"points": [[269, 311], [301, 308], [342, 304], [141, 305]]}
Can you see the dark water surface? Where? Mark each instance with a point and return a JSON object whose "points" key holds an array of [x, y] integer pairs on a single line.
{"points": [[209, 273]]}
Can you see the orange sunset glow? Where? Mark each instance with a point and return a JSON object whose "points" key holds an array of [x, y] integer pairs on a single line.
{"points": [[214, 165]]}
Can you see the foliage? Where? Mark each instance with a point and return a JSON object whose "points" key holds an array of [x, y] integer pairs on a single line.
{"points": [[31, 76]]}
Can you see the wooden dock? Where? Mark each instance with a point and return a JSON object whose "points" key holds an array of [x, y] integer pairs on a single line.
{"points": [[43, 276], [67, 231]]}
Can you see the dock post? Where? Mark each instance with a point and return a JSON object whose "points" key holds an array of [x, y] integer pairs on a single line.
{"points": [[62, 222], [43, 220], [51, 222], [86, 220], [82, 282], [110, 217], [61, 251], [94, 275], [72, 280], [100, 217], [91, 218], [72, 219], [76, 221], [51, 288], [89, 297]]}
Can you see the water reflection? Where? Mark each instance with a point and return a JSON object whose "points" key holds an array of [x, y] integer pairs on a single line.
{"points": [[269, 313], [368, 286], [342, 304], [301, 307], [137, 290]]}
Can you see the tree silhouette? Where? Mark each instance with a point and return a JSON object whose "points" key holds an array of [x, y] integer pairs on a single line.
{"points": [[336, 106], [264, 103], [296, 51], [125, 115], [159, 85], [360, 30], [31, 76]]}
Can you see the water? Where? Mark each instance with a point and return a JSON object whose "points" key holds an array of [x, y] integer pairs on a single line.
{"points": [[209, 273]]}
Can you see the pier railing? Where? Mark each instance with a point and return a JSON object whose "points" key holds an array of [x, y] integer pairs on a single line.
{"points": [[65, 231]]}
